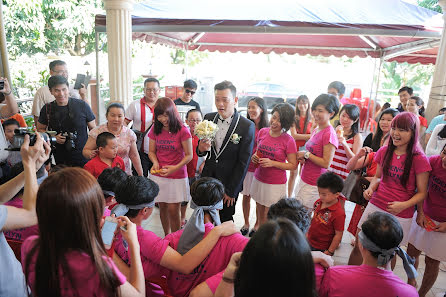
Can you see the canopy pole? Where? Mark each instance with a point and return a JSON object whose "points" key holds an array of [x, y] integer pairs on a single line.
{"points": [[3, 49], [437, 96], [370, 96], [119, 39], [187, 62], [381, 60]]}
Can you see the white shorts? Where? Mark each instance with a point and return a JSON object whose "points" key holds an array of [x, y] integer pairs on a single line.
{"points": [[307, 194], [172, 190], [431, 243], [247, 183], [267, 194], [405, 222]]}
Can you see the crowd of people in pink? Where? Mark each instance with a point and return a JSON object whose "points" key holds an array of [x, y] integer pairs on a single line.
{"points": [[73, 204]]}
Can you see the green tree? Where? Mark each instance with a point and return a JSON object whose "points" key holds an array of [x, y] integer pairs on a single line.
{"points": [[178, 56], [430, 4], [45, 26], [396, 75]]}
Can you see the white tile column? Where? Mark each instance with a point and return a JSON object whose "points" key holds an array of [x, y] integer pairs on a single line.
{"points": [[437, 96], [119, 38]]}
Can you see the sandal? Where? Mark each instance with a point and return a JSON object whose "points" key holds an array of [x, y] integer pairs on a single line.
{"points": [[244, 231], [252, 232], [183, 224]]}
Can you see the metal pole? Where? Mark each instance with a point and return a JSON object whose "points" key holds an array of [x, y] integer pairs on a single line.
{"points": [[370, 97], [381, 60], [98, 78], [3, 48], [187, 61]]}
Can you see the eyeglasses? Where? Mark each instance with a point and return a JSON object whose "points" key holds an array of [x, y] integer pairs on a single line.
{"points": [[190, 91], [194, 121], [152, 90]]}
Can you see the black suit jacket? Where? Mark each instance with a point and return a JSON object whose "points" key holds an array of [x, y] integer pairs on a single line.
{"points": [[231, 163]]}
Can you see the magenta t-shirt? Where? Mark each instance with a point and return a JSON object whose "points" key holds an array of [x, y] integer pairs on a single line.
{"points": [[435, 204], [22, 233], [364, 281], [215, 280], [276, 149], [82, 270], [169, 150], [152, 250], [181, 284], [390, 188], [252, 166], [315, 145]]}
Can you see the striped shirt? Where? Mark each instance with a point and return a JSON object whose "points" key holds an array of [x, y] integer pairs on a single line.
{"points": [[340, 160]]}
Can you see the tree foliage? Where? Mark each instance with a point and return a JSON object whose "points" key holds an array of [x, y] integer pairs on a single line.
{"points": [[430, 4], [397, 75], [50, 26]]}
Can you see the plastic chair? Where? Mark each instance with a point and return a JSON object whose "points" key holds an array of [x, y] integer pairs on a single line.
{"points": [[16, 247], [356, 93], [373, 125], [162, 283]]}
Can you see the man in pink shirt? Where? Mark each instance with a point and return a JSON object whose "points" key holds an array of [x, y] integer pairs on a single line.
{"points": [[379, 240]]}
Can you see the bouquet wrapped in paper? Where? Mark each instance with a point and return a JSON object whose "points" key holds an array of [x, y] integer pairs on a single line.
{"points": [[206, 130]]}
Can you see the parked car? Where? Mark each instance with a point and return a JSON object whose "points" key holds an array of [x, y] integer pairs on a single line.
{"points": [[272, 93]]}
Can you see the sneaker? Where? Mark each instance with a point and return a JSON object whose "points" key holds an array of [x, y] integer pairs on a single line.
{"points": [[244, 231], [252, 232]]}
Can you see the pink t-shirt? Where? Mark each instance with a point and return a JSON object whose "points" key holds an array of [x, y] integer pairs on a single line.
{"points": [[152, 250], [217, 260], [169, 149], [435, 203], [315, 145], [276, 149], [215, 280], [364, 281], [252, 166], [81, 268], [22, 233], [390, 188]]}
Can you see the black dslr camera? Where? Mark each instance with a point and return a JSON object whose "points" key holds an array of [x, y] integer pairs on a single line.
{"points": [[19, 137], [70, 140], [2, 84]]}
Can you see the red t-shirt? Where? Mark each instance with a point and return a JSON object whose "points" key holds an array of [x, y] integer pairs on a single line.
{"points": [[95, 166], [324, 224], [300, 130], [192, 165], [423, 121]]}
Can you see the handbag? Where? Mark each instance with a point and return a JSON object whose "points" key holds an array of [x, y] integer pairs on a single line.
{"points": [[140, 136], [354, 186]]}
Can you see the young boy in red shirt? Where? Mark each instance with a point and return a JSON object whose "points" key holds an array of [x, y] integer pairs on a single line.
{"points": [[107, 155], [327, 225]]}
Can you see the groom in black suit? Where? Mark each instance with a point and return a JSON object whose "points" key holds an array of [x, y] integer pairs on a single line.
{"points": [[228, 156]]}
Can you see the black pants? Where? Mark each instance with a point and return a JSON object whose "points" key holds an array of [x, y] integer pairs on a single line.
{"points": [[145, 163], [228, 211]]}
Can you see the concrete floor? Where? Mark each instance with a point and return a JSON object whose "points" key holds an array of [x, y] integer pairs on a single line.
{"points": [[341, 255]]}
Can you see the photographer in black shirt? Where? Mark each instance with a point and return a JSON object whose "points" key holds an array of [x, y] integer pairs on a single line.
{"points": [[69, 117]]}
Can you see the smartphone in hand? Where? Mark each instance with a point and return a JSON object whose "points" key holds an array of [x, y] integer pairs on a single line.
{"points": [[108, 231]]}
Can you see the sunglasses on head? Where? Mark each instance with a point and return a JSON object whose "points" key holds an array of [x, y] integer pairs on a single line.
{"points": [[190, 92]]}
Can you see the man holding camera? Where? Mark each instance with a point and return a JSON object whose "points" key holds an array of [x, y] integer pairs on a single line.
{"points": [[70, 118], [44, 96]]}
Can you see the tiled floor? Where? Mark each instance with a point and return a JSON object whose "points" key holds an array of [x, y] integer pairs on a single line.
{"points": [[341, 254]]}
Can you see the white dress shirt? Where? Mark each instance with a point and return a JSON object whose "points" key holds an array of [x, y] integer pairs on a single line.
{"points": [[223, 127]]}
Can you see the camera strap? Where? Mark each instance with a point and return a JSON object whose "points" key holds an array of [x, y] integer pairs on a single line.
{"points": [[52, 113]]}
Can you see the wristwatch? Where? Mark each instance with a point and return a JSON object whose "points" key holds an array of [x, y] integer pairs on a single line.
{"points": [[307, 155]]}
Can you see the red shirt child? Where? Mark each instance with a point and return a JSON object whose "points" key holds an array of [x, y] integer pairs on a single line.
{"points": [[193, 117], [327, 224], [107, 155]]}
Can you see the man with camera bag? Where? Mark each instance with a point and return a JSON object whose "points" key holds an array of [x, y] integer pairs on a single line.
{"points": [[69, 118]]}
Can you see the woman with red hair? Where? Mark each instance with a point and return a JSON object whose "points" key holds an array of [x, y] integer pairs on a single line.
{"points": [[170, 149], [402, 174]]}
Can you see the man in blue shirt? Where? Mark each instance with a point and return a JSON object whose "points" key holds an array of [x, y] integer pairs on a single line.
{"points": [[440, 119]]}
